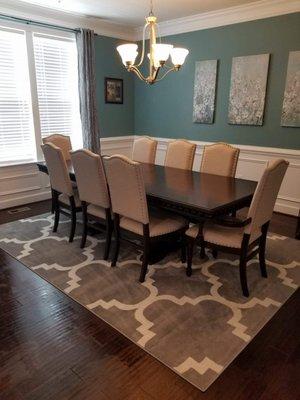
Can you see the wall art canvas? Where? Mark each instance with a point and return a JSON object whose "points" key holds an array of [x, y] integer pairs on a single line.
{"points": [[291, 101], [248, 89], [205, 91]]}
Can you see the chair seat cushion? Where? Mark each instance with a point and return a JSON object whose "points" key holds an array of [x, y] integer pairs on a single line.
{"points": [[159, 224], [63, 198], [221, 235], [96, 211]]}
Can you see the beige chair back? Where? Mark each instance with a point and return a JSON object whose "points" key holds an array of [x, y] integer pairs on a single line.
{"points": [[180, 154], [127, 188], [144, 150], [90, 178], [57, 169], [265, 195], [220, 159], [61, 141]]}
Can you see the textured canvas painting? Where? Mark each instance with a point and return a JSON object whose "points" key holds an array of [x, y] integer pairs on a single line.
{"points": [[205, 91], [248, 89], [291, 102]]}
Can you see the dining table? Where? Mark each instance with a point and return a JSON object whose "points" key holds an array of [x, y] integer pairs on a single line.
{"points": [[195, 195]]}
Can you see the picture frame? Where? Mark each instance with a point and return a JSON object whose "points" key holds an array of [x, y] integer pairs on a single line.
{"points": [[113, 91]]}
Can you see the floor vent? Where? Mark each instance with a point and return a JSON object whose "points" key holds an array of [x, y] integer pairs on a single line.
{"points": [[19, 210]]}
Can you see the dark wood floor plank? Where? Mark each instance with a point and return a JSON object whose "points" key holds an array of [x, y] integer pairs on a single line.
{"points": [[53, 348]]}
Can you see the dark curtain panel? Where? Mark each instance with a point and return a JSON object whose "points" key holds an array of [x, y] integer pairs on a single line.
{"points": [[87, 90]]}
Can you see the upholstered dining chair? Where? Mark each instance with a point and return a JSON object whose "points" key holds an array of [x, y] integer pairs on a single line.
{"points": [[246, 238], [93, 193], [64, 194], [130, 209], [144, 150], [180, 154], [64, 143], [220, 159], [61, 141]]}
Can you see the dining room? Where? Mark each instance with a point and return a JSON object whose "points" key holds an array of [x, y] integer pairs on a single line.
{"points": [[149, 200]]}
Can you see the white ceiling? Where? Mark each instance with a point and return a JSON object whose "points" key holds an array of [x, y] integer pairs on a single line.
{"points": [[132, 12]]}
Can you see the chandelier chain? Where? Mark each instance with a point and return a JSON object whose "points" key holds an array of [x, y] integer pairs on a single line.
{"points": [[151, 7]]}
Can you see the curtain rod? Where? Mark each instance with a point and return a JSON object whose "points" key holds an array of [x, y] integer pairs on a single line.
{"points": [[36, 23]]}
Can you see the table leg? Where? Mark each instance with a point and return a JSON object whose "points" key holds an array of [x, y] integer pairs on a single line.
{"points": [[298, 228]]}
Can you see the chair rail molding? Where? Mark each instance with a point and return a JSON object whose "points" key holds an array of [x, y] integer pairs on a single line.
{"points": [[251, 164], [22, 184]]}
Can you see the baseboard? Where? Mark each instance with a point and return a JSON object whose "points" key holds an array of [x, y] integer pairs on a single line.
{"points": [[25, 199]]}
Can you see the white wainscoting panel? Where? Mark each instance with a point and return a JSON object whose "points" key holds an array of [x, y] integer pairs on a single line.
{"points": [[251, 164], [117, 145], [22, 184]]}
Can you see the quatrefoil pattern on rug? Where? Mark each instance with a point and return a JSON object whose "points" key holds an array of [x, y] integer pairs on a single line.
{"points": [[195, 325]]}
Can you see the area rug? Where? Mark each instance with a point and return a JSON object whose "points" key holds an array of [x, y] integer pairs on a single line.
{"points": [[196, 326]]}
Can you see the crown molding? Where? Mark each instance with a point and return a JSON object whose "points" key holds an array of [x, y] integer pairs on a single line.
{"points": [[103, 27], [232, 15], [227, 16]]}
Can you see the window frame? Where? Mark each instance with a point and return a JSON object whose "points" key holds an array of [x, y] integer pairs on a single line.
{"points": [[29, 32]]}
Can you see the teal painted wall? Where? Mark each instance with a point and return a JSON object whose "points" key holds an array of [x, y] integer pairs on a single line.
{"points": [[165, 109], [114, 119]]}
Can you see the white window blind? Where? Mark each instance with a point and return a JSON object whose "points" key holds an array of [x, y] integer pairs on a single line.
{"points": [[16, 127], [57, 86]]}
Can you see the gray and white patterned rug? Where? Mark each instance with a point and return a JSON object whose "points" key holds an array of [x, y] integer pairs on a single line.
{"points": [[196, 326]]}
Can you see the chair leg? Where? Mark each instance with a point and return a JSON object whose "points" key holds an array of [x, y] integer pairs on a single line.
{"points": [[297, 235], [56, 210], [243, 265], [108, 235], [73, 219], [215, 253], [53, 202], [84, 224], [146, 246], [262, 250], [243, 277], [202, 252], [117, 240], [190, 251], [183, 248]]}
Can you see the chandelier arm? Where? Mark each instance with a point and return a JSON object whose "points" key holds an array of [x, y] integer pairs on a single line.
{"points": [[134, 69], [143, 49], [154, 77], [165, 74]]}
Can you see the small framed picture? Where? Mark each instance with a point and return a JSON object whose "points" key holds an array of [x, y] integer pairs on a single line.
{"points": [[113, 91]]}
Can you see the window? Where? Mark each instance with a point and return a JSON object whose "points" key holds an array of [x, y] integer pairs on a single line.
{"points": [[57, 87], [16, 127], [38, 92]]}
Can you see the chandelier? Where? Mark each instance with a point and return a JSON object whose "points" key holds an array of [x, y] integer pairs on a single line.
{"points": [[158, 54]]}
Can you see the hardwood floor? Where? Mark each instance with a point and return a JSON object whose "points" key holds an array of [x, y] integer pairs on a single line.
{"points": [[53, 348]]}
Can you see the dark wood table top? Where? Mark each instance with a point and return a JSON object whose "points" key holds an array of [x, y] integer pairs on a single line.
{"points": [[191, 193]]}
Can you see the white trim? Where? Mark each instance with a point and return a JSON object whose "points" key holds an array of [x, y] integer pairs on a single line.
{"points": [[231, 15], [25, 199], [227, 16], [251, 164], [18, 176]]}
